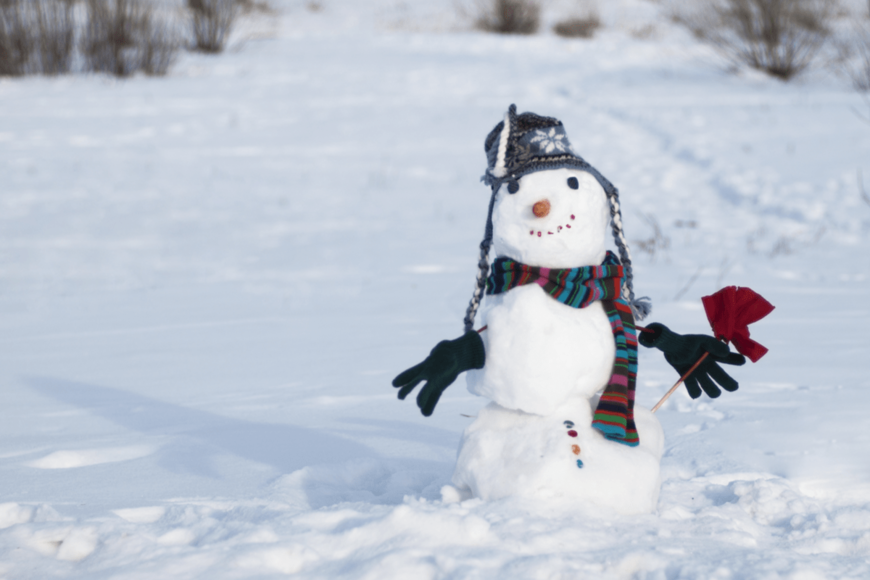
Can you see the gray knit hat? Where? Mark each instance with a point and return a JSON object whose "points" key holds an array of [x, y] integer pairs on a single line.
{"points": [[526, 143], [523, 144]]}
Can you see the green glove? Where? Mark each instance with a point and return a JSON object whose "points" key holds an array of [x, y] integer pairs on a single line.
{"points": [[440, 369], [683, 351]]}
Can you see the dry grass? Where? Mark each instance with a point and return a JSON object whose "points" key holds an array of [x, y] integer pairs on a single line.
{"points": [[580, 27], [682, 291], [855, 59], [56, 25], [16, 41], [111, 31], [643, 31], [861, 190], [656, 243], [36, 36], [779, 37], [212, 22], [582, 24], [122, 37], [250, 6], [159, 46], [119, 37], [508, 16]]}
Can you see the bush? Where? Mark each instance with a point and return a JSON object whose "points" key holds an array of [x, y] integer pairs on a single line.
{"points": [[212, 22], [122, 37], [582, 27], [856, 57], [509, 16], [36, 36], [119, 37], [111, 31], [16, 43], [160, 43], [56, 25], [248, 6], [779, 37]]}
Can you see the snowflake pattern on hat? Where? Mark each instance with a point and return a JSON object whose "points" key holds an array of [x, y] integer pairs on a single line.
{"points": [[550, 141]]}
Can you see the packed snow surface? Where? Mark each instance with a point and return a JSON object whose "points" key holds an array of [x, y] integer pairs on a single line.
{"points": [[507, 453], [207, 282]]}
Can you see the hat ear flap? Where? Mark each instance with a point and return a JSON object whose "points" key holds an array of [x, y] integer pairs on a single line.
{"points": [[499, 171], [640, 307]]}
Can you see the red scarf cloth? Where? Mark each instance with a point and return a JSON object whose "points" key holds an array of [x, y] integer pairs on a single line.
{"points": [[730, 311]]}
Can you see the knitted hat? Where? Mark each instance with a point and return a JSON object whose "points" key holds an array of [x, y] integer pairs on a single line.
{"points": [[523, 144], [526, 143]]}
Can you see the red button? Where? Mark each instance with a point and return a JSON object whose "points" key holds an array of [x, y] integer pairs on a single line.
{"points": [[572, 433]]}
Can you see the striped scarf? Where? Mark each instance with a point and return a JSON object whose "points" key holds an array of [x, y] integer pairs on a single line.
{"points": [[578, 288]]}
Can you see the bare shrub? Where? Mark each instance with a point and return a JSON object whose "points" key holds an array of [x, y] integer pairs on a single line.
{"points": [[856, 60], [119, 37], [212, 22], [36, 36], [657, 242], [159, 46], [688, 284], [779, 37], [249, 6], [56, 25], [122, 37], [580, 27], [643, 31], [508, 16], [126, 36], [864, 195], [16, 38], [111, 31]]}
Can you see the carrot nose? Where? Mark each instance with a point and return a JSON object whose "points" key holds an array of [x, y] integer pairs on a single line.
{"points": [[541, 209]]}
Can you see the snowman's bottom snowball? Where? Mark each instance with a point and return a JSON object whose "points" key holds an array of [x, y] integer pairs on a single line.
{"points": [[510, 453]]}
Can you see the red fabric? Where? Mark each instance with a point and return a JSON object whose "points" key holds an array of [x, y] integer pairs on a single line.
{"points": [[730, 311]]}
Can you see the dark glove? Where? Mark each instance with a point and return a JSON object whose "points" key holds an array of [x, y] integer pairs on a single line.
{"points": [[683, 351], [440, 369]]}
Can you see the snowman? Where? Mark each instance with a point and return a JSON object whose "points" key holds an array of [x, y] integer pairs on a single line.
{"points": [[555, 350]]}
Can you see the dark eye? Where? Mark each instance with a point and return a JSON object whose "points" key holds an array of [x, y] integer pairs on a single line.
{"points": [[514, 187], [573, 183]]}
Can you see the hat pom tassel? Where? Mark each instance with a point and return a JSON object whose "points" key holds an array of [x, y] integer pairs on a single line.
{"points": [[641, 307]]}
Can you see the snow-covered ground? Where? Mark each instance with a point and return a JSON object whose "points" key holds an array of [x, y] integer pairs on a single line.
{"points": [[207, 282]]}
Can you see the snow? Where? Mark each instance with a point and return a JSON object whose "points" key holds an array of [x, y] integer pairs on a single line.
{"points": [[557, 238], [208, 281], [540, 354], [507, 453]]}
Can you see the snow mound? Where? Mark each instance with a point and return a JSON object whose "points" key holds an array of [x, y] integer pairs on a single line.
{"points": [[85, 457]]}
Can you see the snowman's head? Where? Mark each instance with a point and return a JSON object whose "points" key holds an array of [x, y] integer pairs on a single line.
{"points": [[549, 207], [557, 218]]}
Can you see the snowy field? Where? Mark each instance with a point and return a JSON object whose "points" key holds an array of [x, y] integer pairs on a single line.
{"points": [[208, 281]]}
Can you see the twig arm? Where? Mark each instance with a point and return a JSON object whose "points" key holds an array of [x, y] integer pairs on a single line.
{"points": [[680, 382]]}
